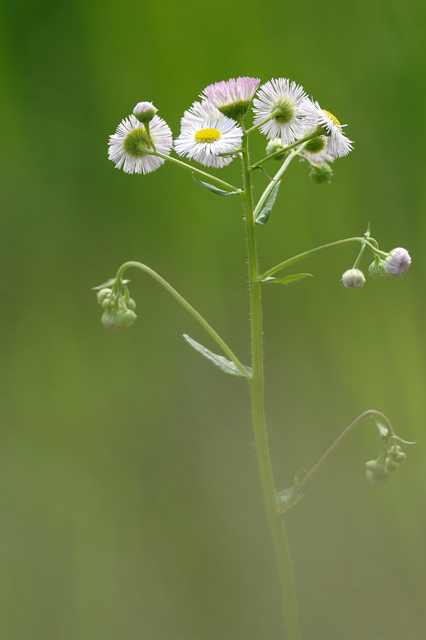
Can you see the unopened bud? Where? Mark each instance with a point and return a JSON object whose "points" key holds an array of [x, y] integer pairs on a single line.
{"points": [[397, 262], [103, 294], [377, 269], [321, 174], [353, 278], [274, 146], [144, 111], [376, 473], [391, 465], [118, 319]]}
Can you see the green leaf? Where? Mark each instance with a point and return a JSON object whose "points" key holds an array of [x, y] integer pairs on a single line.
{"points": [[284, 496], [265, 211], [287, 279], [220, 361], [218, 192], [259, 166], [108, 283], [404, 441]]}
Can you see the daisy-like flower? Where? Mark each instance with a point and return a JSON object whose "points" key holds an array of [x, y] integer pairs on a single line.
{"points": [[397, 262], [206, 133], [232, 97], [279, 102], [316, 151], [338, 144], [130, 146]]}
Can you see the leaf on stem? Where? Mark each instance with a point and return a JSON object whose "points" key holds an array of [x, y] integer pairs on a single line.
{"points": [[218, 192], [220, 361], [283, 497], [286, 279], [109, 283], [265, 210]]}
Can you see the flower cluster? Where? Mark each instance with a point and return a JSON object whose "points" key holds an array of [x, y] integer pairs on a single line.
{"points": [[212, 130]]}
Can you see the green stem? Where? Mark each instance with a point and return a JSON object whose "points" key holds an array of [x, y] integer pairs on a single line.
{"points": [[184, 165], [323, 247], [189, 308], [306, 480], [259, 425]]}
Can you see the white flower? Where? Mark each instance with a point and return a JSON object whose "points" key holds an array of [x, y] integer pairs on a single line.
{"points": [[128, 147], [397, 262], [144, 111], [316, 151], [232, 97], [206, 133], [338, 144], [279, 102]]}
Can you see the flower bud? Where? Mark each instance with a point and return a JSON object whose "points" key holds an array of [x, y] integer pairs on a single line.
{"points": [[376, 473], [391, 465], [118, 319], [397, 262], [396, 454], [321, 174], [273, 146], [377, 269], [144, 111], [103, 294], [353, 278]]}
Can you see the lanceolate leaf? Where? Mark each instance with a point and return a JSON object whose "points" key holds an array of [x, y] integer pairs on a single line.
{"points": [[284, 496], [265, 211], [213, 189], [287, 279], [220, 361]]}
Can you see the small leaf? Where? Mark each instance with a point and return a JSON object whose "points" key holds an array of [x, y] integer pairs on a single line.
{"points": [[109, 283], [218, 192], [284, 496], [265, 211], [287, 279], [404, 441], [259, 166], [220, 361], [384, 431]]}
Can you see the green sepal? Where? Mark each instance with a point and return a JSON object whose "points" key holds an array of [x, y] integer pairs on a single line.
{"points": [[220, 361], [287, 279], [218, 192], [265, 211], [108, 283], [284, 496]]}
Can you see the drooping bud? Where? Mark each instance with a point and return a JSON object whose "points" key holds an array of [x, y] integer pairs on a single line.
{"points": [[321, 174], [376, 473], [353, 278], [397, 262], [118, 318], [377, 269], [144, 111], [391, 465], [103, 294], [396, 454]]}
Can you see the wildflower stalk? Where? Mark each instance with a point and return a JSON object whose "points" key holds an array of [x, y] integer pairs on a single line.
{"points": [[258, 411]]}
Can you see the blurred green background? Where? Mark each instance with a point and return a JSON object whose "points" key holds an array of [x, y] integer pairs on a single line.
{"points": [[130, 500]]}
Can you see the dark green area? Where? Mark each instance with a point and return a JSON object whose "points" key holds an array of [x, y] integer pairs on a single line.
{"points": [[130, 500]]}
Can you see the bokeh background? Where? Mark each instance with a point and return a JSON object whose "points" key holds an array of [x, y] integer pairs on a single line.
{"points": [[130, 500]]}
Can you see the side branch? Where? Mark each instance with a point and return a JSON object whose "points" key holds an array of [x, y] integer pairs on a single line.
{"points": [[222, 344]]}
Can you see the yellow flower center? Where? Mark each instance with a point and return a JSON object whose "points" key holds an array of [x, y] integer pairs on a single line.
{"points": [[335, 120], [207, 135]]}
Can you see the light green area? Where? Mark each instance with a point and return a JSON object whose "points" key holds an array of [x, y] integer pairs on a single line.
{"points": [[130, 499]]}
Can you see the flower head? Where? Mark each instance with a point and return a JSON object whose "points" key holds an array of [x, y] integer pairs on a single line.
{"points": [[144, 111], [338, 144], [206, 133], [397, 262], [130, 147], [232, 97], [279, 102], [353, 278]]}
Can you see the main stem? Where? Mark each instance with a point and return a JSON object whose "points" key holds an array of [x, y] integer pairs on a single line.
{"points": [[258, 411]]}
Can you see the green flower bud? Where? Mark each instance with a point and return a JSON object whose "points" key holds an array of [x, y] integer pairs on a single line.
{"points": [[130, 304], [321, 174], [118, 319], [103, 294], [396, 454], [391, 465], [273, 146], [353, 278], [377, 269], [376, 473], [144, 111]]}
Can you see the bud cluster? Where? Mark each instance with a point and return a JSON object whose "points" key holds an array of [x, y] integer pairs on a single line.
{"points": [[395, 263], [119, 307], [377, 471]]}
